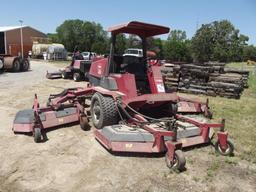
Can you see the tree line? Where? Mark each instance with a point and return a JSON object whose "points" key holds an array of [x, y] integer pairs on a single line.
{"points": [[216, 41]]}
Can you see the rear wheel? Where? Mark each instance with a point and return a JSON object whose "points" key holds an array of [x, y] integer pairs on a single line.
{"points": [[16, 65], [76, 77], [178, 163], [103, 111], [25, 65], [37, 135]]}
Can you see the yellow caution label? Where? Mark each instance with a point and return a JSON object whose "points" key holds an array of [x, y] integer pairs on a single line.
{"points": [[128, 145], [61, 120]]}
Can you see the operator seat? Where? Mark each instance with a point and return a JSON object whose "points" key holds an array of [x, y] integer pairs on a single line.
{"points": [[135, 65]]}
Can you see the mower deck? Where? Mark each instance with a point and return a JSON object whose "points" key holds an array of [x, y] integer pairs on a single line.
{"points": [[25, 120], [53, 75], [131, 138]]}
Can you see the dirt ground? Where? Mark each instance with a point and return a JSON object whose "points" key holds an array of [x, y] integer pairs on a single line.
{"points": [[72, 160]]}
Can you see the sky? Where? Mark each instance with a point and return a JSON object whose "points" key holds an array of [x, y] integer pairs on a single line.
{"points": [[187, 15]]}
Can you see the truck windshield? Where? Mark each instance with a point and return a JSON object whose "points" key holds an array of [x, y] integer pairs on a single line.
{"points": [[131, 51]]}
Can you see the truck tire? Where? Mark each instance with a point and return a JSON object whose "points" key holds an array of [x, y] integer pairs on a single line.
{"points": [[25, 65], [1, 64], [103, 111], [16, 65]]}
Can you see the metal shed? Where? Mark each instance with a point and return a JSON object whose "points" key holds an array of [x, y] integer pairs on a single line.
{"points": [[11, 37]]}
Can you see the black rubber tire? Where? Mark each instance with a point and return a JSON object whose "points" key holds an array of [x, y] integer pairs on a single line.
{"points": [[228, 152], [16, 65], [25, 65], [179, 161], [173, 109], [84, 123], [76, 77], [64, 75], [103, 111], [86, 76], [37, 135]]}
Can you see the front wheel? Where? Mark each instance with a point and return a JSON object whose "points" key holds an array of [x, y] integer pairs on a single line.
{"points": [[225, 152], [37, 135], [76, 77], [103, 111], [84, 123], [64, 75], [178, 162]]}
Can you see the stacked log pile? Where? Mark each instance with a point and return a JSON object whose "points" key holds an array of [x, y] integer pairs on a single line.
{"points": [[244, 73], [209, 79], [171, 77]]}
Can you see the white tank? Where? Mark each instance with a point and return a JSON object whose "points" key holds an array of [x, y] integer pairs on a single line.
{"points": [[38, 49], [57, 52], [56, 48]]}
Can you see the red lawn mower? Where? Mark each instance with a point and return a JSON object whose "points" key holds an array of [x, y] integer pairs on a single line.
{"points": [[77, 70], [127, 104]]}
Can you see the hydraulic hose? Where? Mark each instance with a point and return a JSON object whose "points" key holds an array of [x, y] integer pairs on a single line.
{"points": [[151, 119]]}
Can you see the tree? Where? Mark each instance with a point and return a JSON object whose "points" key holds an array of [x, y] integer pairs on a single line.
{"points": [[53, 37], [87, 36], [133, 42], [219, 41], [249, 53], [70, 33], [120, 44], [177, 46], [155, 44]]}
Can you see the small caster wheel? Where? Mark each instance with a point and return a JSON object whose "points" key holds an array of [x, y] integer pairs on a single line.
{"points": [[84, 123], [64, 75], [178, 163], [37, 135], [225, 152]]}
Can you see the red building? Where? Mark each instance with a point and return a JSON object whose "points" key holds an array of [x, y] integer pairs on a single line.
{"points": [[10, 39]]}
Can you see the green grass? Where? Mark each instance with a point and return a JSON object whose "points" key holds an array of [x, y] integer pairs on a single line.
{"points": [[211, 171], [240, 117]]}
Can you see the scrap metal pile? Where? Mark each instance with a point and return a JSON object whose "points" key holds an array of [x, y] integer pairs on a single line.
{"points": [[209, 78]]}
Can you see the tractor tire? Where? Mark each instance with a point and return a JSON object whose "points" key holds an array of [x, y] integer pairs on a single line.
{"points": [[25, 65], [64, 75], [76, 77], [103, 111], [84, 123], [179, 161], [37, 135], [228, 152], [16, 65]]}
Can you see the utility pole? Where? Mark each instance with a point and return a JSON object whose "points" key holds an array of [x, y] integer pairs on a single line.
{"points": [[21, 37]]}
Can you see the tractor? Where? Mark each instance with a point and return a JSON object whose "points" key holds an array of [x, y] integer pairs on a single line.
{"points": [[77, 70], [127, 104]]}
